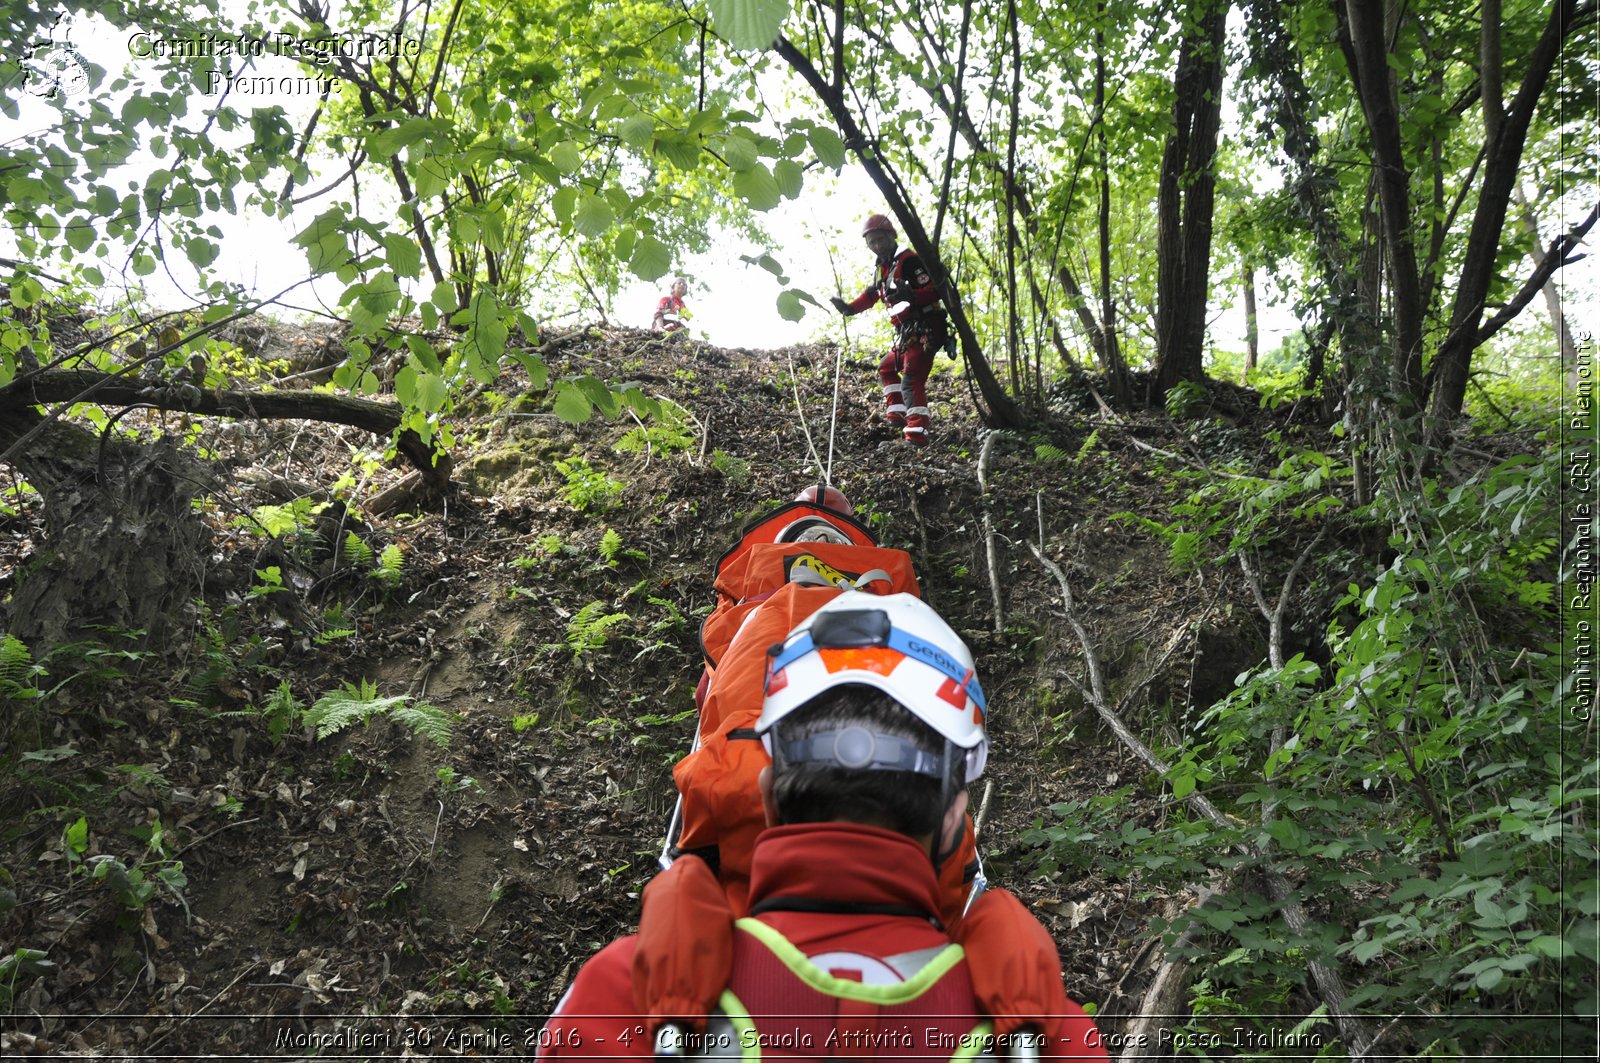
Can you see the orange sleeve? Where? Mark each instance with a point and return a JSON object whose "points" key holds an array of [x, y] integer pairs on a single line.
{"points": [[1016, 976], [684, 954]]}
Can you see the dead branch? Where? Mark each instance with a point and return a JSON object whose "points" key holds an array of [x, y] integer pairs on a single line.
{"points": [[988, 530], [1164, 998], [74, 385], [1274, 613], [1328, 981]]}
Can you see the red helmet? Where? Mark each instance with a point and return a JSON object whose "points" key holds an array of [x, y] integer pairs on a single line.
{"points": [[877, 223], [831, 497]]}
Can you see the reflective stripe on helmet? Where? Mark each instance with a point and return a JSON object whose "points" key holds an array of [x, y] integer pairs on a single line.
{"points": [[898, 640]]}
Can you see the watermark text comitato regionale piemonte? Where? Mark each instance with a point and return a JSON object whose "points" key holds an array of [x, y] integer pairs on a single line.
{"points": [[321, 51]]}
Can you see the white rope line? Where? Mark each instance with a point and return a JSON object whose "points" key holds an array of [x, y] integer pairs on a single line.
{"points": [[794, 382], [833, 422]]}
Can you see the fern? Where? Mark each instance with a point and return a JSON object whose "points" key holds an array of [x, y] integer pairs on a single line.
{"points": [[1048, 453], [351, 704], [428, 721], [1089, 444], [282, 711], [391, 563], [587, 630], [357, 552], [610, 545], [674, 617], [16, 663]]}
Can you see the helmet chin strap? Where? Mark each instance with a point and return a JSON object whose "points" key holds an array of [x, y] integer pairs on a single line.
{"points": [[947, 796]]}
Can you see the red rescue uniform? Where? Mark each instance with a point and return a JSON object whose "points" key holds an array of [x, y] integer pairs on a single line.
{"points": [[920, 331], [845, 917]]}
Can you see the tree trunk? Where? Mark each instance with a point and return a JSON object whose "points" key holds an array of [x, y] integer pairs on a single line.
{"points": [[77, 385], [1003, 411], [1111, 354], [1184, 205], [1552, 296], [123, 548], [1252, 330], [1367, 53], [1453, 363]]}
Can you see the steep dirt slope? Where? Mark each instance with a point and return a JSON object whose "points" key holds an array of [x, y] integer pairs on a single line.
{"points": [[553, 611]]}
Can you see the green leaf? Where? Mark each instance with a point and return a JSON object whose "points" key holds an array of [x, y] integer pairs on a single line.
{"points": [[563, 203], [404, 254], [740, 153], [389, 141], [80, 236], [749, 24], [201, 252], [424, 353], [571, 404], [682, 152], [651, 258], [789, 176], [757, 187], [566, 157], [444, 297], [828, 146], [790, 307], [77, 836], [431, 391], [636, 130], [432, 177], [594, 216]]}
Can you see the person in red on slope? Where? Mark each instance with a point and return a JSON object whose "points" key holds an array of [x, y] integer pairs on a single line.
{"points": [[671, 310], [875, 721], [905, 287]]}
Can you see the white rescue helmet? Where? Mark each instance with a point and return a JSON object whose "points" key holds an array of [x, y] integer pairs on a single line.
{"points": [[895, 643]]}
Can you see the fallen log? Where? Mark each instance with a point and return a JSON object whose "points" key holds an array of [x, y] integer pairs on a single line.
{"points": [[80, 385]]}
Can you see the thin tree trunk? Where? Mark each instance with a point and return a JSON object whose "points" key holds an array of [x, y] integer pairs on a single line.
{"points": [[1552, 296], [1013, 353], [1252, 331], [1111, 354], [1366, 33]]}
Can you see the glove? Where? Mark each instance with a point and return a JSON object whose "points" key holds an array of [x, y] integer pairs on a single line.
{"points": [[841, 306]]}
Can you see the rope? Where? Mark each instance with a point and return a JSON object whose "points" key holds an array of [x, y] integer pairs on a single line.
{"points": [[794, 382], [833, 421]]}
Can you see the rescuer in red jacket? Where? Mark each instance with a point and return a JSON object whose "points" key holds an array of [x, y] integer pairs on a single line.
{"points": [[671, 310], [920, 330], [874, 719]]}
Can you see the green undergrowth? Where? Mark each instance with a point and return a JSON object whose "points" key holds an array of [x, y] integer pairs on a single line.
{"points": [[1412, 773]]}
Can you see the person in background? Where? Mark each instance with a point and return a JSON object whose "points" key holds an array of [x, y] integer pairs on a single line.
{"points": [[920, 330], [671, 310]]}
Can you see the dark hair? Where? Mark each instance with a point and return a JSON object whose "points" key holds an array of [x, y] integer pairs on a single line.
{"points": [[902, 801]]}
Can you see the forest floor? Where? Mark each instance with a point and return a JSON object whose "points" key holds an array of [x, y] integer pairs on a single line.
{"points": [[235, 890]]}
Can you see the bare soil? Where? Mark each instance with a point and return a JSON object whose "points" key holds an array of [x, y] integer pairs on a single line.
{"points": [[420, 900]]}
